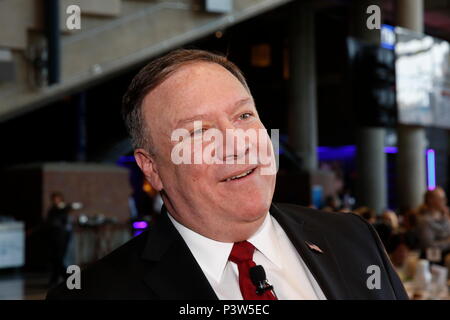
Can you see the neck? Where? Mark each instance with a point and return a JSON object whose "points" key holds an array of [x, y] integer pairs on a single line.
{"points": [[222, 231]]}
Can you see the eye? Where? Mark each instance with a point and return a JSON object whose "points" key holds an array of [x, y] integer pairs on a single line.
{"points": [[245, 116], [197, 132]]}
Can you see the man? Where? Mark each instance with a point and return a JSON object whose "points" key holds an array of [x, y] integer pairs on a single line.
{"points": [[59, 234], [434, 223], [218, 221]]}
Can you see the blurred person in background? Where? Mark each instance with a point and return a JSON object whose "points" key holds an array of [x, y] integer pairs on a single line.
{"points": [[410, 229], [367, 214], [332, 204], [59, 233], [398, 250], [390, 218], [384, 230], [434, 222]]}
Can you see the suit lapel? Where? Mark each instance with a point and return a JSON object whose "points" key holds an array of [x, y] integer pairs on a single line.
{"points": [[323, 266], [173, 272]]}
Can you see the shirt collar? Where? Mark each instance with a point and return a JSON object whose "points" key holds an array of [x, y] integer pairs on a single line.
{"points": [[212, 256], [266, 241]]}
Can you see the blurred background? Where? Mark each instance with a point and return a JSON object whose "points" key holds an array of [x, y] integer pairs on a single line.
{"points": [[360, 91]]}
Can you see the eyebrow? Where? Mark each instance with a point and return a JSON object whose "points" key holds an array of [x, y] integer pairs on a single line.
{"points": [[236, 105]]}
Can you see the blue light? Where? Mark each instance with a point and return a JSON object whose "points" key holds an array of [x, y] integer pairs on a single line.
{"points": [[387, 37], [140, 225], [345, 152], [431, 169], [125, 159], [334, 153], [136, 233], [390, 149]]}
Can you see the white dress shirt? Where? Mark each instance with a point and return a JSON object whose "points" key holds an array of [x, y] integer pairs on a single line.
{"points": [[284, 267]]}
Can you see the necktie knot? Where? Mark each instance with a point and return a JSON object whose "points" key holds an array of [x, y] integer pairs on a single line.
{"points": [[241, 252]]}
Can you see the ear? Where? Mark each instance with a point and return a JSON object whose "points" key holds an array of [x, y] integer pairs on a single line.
{"points": [[148, 166]]}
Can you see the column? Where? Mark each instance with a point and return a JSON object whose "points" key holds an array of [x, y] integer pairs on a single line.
{"points": [[371, 158], [302, 91], [411, 176], [371, 165]]}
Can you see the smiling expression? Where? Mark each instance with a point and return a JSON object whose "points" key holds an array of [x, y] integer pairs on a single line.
{"points": [[225, 202]]}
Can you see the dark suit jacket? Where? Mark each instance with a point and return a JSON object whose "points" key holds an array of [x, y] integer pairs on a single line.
{"points": [[158, 264]]}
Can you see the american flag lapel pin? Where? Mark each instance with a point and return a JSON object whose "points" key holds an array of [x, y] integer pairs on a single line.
{"points": [[313, 247]]}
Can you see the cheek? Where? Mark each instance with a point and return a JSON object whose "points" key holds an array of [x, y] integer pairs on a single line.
{"points": [[193, 175], [264, 143], [267, 188], [269, 182]]}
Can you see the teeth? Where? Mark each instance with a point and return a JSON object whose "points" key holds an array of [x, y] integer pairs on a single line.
{"points": [[240, 176]]}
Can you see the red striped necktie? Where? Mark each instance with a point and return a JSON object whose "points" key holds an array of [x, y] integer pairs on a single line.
{"points": [[242, 255]]}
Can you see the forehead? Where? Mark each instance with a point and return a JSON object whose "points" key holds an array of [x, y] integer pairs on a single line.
{"points": [[437, 193], [195, 88], [440, 192]]}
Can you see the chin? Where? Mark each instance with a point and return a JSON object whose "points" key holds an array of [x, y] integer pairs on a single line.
{"points": [[251, 209]]}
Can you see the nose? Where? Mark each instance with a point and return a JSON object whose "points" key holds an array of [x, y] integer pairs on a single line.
{"points": [[236, 143]]}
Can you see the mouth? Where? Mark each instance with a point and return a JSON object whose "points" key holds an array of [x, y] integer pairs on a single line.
{"points": [[240, 176]]}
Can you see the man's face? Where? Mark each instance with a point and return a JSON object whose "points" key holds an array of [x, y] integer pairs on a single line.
{"points": [[56, 200], [202, 196], [439, 199]]}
